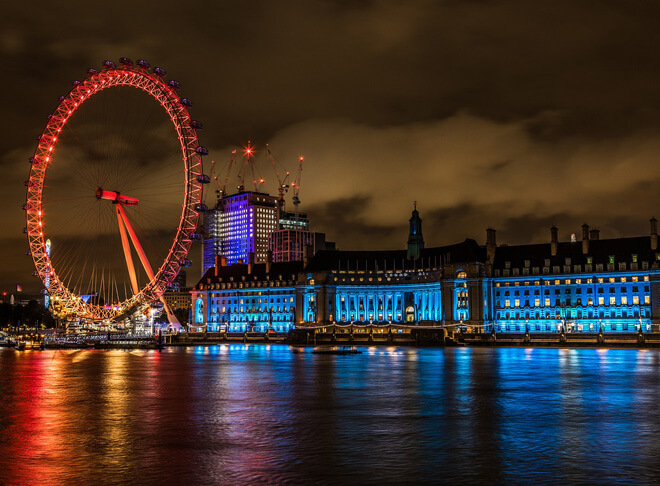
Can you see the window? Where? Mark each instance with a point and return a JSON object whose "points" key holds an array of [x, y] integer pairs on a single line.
{"points": [[611, 259], [517, 303], [601, 300], [624, 300], [635, 299], [647, 299], [590, 260], [612, 300], [537, 302], [547, 302]]}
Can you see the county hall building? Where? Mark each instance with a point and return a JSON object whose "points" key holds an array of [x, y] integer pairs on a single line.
{"points": [[587, 284]]}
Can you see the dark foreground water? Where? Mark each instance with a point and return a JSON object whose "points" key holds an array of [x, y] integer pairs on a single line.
{"points": [[261, 414]]}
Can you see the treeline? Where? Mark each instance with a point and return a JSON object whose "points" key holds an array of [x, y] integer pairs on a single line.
{"points": [[32, 314]]}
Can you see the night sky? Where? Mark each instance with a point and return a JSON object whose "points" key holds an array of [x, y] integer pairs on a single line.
{"points": [[510, 114]]}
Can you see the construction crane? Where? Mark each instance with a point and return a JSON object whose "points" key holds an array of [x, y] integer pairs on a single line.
{"points": [[282, 185], [257, 180], [296, 186], [223, 187]]}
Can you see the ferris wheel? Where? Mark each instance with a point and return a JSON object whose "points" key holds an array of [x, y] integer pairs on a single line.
{"points": [[115, 192]]}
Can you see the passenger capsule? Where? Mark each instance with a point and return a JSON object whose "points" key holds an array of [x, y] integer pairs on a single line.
{"points": [[75, 83], [125, 61], [195, 236], [186, 262], [203, 179], [195, 124], [109, 64], [143, 64], [186, 102], [201, 207], [159, 72], [25, 230], [91, 71], [175, 85], [35, 274], [31, 160], [202, 150]]}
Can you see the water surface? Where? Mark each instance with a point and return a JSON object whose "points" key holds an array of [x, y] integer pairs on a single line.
{"points": [[236, 414]]}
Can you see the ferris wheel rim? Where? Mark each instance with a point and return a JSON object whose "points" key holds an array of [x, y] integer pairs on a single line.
{"points": [[166, 95]]}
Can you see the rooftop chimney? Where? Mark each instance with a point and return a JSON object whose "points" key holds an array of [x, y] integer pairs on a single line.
{"points": [[554, 241], [269, 260], [491, 244], [594, 234], [308, 253], [585, 238], [654, 234], [250, 262], [217, 262]]}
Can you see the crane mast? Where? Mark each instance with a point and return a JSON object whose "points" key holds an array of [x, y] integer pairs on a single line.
{"points": [[282, 185], [296, 186]]}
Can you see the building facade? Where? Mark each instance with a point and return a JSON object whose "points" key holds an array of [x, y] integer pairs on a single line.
{"points": [[288, 245], [587, 285], [246, 297], [239, 225]]}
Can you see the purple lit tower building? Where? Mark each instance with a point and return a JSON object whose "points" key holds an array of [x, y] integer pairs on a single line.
{"points": [[239, 225]]}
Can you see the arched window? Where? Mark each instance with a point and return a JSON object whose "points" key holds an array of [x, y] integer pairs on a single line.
{"points": [[461, 274], [199, 311]]}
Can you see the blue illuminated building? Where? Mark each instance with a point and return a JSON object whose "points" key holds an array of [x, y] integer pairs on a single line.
{"points": [[581, 285], [246, 297], [239, 225], [589, 285]]}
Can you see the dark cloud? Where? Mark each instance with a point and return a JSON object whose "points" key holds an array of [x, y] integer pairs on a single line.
{"points": [[510, 114], [357, 232]]}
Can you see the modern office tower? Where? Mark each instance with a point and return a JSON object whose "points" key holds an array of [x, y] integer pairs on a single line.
{"points": [[240, 225]]}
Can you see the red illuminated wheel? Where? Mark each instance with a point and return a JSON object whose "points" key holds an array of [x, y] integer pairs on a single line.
{"points": [[116, 186]]}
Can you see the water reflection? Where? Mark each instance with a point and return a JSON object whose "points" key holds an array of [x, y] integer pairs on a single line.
{"points": [[243, 414]]}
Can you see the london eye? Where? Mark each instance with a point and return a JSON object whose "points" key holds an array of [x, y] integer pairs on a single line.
{"points": [[114, 192]]}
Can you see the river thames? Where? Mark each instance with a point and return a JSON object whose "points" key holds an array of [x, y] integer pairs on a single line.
{"points": [[235, 414]]}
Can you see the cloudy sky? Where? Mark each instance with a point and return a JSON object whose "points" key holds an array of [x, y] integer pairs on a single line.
{"points": [[510, 114]]}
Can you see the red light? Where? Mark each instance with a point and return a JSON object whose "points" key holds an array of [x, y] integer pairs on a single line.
{"points": [[249, 150], [4, 294]]}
